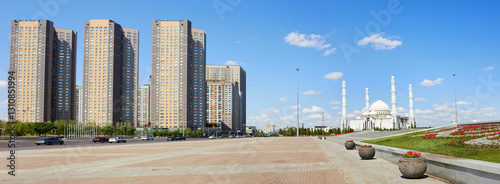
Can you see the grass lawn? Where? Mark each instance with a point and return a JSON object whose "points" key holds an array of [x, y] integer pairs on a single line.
{"points": [[438, 146]]}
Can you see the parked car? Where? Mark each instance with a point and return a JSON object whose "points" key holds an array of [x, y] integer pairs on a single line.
{"points": [[117, 140], [238, 136], [49, 141], [171, 138], [100, 139], [232, 136], [212, 137], [180, 137], [321, 137], [147, 137]]}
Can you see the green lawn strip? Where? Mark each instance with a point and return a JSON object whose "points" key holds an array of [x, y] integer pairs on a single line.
{"points": [[438, 146]]}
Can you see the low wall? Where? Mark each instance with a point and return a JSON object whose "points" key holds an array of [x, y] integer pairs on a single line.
{"points": [[453, 169]]}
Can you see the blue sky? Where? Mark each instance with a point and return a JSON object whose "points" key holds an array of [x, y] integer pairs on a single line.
{"points": [[361, 42]]}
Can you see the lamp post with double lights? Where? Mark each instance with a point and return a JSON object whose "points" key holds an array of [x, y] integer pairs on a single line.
{"points": [[297, 102]]}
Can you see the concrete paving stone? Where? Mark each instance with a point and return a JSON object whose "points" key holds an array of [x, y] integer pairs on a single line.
{"points": [[245, 160]]}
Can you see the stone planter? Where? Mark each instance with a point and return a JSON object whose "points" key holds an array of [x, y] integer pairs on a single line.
{"points": [[349, 145], [412, 167], [366, 153]]}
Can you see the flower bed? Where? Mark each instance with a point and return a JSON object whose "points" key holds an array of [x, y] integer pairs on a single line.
{"points": [[474, 135]]}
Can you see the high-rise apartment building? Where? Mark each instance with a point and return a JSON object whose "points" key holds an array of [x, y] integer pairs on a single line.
{"points": [[130, 75], [110, 75], [43, 58], [178, 97], [143, 105], [223, 105], [79, 104], [64, 72], [230, 74]]}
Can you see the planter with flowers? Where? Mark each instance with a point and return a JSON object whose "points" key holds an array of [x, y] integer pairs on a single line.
{"points": [[366, 152], [349, 144], [412, 165]]}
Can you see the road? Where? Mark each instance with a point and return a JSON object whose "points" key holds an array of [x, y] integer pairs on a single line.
{"points": [[28, 143]]}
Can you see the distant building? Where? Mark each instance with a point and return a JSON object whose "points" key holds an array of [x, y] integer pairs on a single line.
{"points": [[79, 104], [379, 115], [270, 129], [143, 105], [301, 125], [223, 105], [251, 129], [231, 74]]}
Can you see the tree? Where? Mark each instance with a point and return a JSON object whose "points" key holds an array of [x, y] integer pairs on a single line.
{"points": [[108, 130], [42, 127]]}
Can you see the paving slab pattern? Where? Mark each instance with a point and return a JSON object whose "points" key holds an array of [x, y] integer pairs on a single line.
{"points": [[245, 160]]}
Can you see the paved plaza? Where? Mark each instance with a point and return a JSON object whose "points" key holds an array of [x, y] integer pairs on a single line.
{"points": [[244, 160]]}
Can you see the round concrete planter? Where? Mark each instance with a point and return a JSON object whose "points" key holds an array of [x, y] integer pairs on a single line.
{"points": [[349, 145], [366, 153], [412, 167]]}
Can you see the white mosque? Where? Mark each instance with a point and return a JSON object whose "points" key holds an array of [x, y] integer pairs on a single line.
{"points": [[378, 115]]}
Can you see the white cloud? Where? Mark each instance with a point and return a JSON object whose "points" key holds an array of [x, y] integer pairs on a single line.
{"points": [[420, 99], [3, 84], [334, 76], [314, 116], [329, 51], [238, 41], [379, 42], [303, 40], [336, 108], [312, 92], [443, 107], [287, 118], [401, 110], [283, 99], [4, 103], [418, 111], [428, 83], [230, 62], [489, 68], [314, 109], [292, 107], [271, 110], [464, 103], [335, 103]]}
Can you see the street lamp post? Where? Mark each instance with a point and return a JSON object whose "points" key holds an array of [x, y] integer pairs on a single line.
{"points": [[456, 111], [297, 102], [323, 124], [123, 130], [239, 124]]}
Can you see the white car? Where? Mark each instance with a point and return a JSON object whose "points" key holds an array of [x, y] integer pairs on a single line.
{"points": [[117, 140], [147, 137], [212, 137], [238, 136]]}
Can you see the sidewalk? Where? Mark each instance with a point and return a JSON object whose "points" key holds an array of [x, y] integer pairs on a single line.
{"points": [[244, 160]]}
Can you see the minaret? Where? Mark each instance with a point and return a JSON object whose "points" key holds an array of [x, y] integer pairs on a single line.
{"points": [[344, 107], [367, 100], [393, 102], [412, 118]]}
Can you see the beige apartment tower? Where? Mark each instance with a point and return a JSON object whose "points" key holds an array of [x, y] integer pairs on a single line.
{"points": [[223, 105], [177, 93], [230, 74], [44, 59], [110, 73], [143, 105]]}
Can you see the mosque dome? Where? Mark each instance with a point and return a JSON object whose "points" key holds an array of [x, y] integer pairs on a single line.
{"points": [[373, 113], [379, 106]]}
